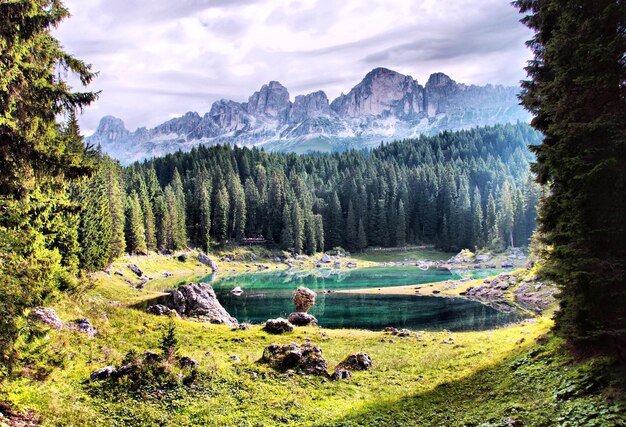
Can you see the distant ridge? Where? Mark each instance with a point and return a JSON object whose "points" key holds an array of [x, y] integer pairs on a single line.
{"points": [[385, 105]]}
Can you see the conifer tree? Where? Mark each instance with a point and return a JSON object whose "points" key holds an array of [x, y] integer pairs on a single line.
{"points": [[116, 198], [334, 236], [220, 218], [401, 225], [576, 93], [351, 229], [361, 237], [135, 231], [319, 232], [36, 162], [170, 219], [298, 229], [95, 229], [180, 227], [286, 234]]}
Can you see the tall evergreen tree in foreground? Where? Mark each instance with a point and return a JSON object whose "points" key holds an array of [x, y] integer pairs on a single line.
{"points": [[577, 94], [36, 161]]}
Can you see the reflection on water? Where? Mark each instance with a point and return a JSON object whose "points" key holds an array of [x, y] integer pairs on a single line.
{"points": [[269, 295]]}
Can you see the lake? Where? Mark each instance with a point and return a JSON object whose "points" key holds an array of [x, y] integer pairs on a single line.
{"points": [[269, 295]]}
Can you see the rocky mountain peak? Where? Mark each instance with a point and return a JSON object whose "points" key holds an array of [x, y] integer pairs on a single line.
{"points": [[385, 105], [112, 129], [271, 100], [310, 106], [381, 92], [111, 123], [438, 80]]}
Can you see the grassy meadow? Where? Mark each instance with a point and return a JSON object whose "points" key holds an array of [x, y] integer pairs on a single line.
{"points": [[514, 375]]}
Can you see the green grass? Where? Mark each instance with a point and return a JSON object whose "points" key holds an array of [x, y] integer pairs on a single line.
{"points": [[483, 379]]}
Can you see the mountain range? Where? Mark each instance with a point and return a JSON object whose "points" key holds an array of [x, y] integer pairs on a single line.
{"points": [[384, 106]]}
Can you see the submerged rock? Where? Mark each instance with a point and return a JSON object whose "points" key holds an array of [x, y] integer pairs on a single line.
{"points": [[47, 316], [302, 319], [198, 300], [237, 291], [278, 326], [304, 299]]}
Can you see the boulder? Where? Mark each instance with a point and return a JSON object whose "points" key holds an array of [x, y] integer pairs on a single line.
{"points": [[357, 362], [278, 326], [326, 259], [302, 258], [306, 358], [483, 257], [103, 373], [135, 269], [507, 265], [460, 258], [158, 310], [304, 299], [188, 362], [125, 370], [236, 291], [341, 374], [47, 316], [83, 325], [198, 300], [235, 358], [302, 319], [204, 259], [150, 357]]}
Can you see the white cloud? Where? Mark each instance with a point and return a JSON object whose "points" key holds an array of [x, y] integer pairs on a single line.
{"points": [[161, 58]]}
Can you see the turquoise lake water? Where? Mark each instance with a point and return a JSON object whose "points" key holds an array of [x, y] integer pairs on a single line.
{"points": [[269, 295]]}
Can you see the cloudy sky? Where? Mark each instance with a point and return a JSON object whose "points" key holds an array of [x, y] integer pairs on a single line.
{"points": [[158, 59]]}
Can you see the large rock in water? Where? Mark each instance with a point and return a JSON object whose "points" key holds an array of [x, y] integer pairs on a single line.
{"points": [[198, 300], [304, 299], [204, 259], [47, 316]]}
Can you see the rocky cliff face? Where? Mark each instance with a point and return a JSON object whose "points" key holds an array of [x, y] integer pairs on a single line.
{"points": [[385, 105], [381, 92]]}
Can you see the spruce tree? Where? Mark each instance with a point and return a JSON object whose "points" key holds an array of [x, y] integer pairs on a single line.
{"points": [[180, 227], [401, 225], [286, 234], [351, 229], [36, 162], [220, 216], [135, 231], [117, 199], [361, 237], [95, 228], [576, 93]]}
